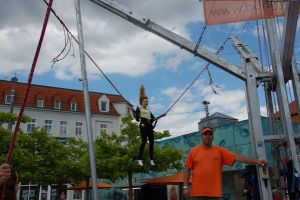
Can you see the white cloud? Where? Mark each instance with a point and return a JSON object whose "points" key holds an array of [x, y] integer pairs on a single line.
{"points": [[278, 26], [185, 115], [156, 107], [115, 44]]}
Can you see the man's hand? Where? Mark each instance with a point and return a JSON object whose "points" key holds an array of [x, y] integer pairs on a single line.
{"points": [[160, 116], [262, 162], [4, 173], [132, 109], [186, 192]]}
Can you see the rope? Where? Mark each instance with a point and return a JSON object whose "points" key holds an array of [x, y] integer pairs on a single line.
{"points": [[200, 39], [204, 28], [187, 88], [112, 84], [8, 158], [244, 29], [266, 47], [205, 68], [69, 44], [88, 55], [194, 80], [221, 48], [14, 136], [259, 45]]}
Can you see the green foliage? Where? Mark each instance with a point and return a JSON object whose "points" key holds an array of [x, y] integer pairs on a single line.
{"points": [[7, 117], [116, 155], [42, 159]]}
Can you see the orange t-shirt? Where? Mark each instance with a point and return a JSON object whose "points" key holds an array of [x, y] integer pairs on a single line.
{"points": [[207, 166]]}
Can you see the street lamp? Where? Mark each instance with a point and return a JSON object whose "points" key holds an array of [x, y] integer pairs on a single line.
{"points": [[206, 103]]}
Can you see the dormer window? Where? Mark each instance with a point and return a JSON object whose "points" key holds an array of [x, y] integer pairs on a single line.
{"points": [[104, 106], [73, 106], [40, 103], [103, 103], [57, 104]]}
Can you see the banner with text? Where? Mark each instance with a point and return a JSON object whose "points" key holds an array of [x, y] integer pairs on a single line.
{"points": [[229, 11]]}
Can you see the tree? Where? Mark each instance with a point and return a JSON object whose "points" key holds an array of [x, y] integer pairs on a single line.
{"points": [[7, 117], [44, 160], [116, 154]]}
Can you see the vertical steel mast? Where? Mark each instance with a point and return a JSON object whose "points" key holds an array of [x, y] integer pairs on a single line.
{"points": [[86, 101]]}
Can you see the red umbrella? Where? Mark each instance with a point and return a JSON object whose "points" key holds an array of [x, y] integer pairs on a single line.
{"points": [[83, 186]]}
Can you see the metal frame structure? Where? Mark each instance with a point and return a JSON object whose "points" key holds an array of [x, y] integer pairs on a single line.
{"points": [[87, 106], [284, 67], [280, 71], [253, 68], [289, 34]]}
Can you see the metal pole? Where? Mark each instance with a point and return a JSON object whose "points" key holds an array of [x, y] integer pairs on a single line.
{"points": [[252, 68], [256, 129], [269, 104], [11, 106], [86, 101], [28, 196], [296, 85], [285, 114]]}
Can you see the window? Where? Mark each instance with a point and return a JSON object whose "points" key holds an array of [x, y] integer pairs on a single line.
{"points": [[128, 110], [63, 128], [103, 103], [103, 128], [104, 106], [73, 106], [31, 125], [9, 98], [48, 126], [40, 103], [78, 128], [77, 195], [57, 104]]}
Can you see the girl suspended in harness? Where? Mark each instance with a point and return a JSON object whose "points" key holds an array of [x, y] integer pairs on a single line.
{"points": [[146, 119]]}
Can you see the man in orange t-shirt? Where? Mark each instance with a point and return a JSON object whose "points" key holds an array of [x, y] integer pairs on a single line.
{"points": [[205, 163]]}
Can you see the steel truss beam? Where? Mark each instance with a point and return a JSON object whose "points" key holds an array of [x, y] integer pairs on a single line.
{"points": [[252, 72], [285, 114], [170, 36]]}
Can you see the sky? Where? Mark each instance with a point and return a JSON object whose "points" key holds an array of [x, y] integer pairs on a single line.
{"points": [[131, 56]]}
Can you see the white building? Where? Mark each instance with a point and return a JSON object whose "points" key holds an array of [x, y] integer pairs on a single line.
{"points": [[61, 112]]}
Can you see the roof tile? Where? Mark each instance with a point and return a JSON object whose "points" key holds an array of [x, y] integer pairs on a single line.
{"points": [[52, 93]]}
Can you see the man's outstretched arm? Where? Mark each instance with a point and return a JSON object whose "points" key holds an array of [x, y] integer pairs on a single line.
{"points": [[251, 161]]}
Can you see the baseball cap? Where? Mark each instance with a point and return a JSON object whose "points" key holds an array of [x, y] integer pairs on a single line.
{"points": [[207, 129]]}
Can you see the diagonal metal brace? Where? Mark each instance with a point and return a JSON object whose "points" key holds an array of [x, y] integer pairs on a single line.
{"points": [[246, 54]]}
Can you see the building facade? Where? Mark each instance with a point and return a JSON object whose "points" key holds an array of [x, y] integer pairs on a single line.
{"points": [[61, 111]]}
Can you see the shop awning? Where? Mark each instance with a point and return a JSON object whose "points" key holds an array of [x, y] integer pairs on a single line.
{"points": [[83, 186], [174, 179]]}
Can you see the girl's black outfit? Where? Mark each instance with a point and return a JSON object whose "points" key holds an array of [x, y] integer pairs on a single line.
{"points": [[146, 118]]}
